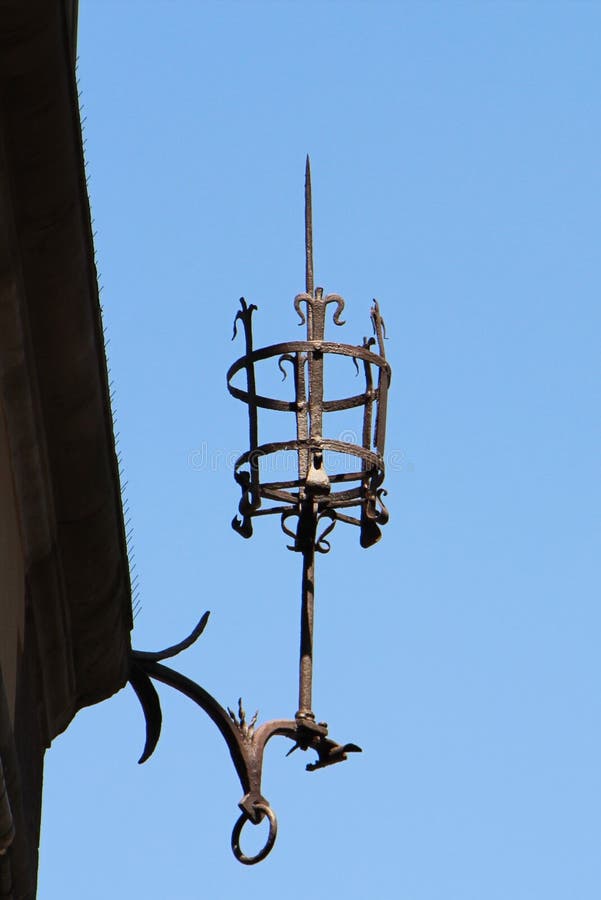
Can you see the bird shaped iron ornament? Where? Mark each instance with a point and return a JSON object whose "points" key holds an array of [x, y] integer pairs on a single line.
{"points": [[309, 506]]}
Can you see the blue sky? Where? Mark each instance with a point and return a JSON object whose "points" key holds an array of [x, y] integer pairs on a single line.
{"points": [[455, 151]]}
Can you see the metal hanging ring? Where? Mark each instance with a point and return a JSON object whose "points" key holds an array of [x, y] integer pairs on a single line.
{"points": [[273, 830]]}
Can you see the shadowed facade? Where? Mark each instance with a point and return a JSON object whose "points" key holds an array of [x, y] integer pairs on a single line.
{"points": [[65, 597]]}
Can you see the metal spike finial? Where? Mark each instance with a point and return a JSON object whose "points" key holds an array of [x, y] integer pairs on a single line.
{"points": [[308, 230]]}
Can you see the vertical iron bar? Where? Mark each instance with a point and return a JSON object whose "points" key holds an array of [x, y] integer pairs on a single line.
{"points": [[315, 393], [368, 408], [383, 382], [253, 419], [302, 424], [306, 530]]}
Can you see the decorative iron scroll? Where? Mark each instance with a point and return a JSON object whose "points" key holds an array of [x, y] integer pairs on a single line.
{"points": [[245, 741], [316, 498], [334, 492]]}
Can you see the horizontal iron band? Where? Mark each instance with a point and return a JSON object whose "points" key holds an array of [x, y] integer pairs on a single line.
{"points": [[323, 506], [289, 503], [334, 479], [311, 444], [293, 406], [351, 350], [330, 501]]}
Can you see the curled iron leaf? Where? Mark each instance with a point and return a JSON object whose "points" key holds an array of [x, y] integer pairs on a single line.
{"points": [[243, 314], [243, 526], [302, 298], [378, 325], [285, 357], [250, 501], [383, 514], [321, 544], [292, 534], [339, 301]]}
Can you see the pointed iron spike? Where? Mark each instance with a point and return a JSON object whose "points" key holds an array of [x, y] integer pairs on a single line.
{"points": [[151, 707], [308, 230], [170, 652]]}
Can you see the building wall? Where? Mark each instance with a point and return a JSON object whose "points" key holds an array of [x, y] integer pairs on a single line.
{"points": [[65, 594], [12, 578]]}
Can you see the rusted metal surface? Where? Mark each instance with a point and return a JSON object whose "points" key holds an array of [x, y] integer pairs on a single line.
{"points": [[318, 497], [315, 493]]}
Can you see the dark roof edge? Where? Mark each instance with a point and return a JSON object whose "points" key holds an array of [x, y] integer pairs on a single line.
{"points": [[71, 15], [95, 300]]}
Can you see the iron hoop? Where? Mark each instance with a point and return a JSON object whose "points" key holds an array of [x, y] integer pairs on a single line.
{"points": [[237, 830]]}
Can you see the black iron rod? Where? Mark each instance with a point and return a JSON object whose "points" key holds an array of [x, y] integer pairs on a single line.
{"points": [[305, 687]]}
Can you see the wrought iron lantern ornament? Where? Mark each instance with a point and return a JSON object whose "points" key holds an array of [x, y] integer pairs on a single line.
{"points": [[316, 498]]}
